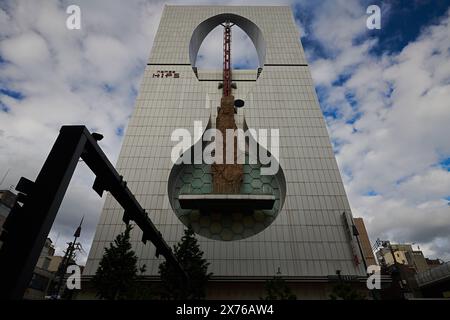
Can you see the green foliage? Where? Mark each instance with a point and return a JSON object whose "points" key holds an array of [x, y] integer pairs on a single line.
{"points": [[277, 289], [188, 253], [116, 276], [345, 291]]}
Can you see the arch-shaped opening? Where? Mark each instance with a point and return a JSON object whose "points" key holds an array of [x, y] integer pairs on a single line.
{"points": [[243, 53], [204, 28]]}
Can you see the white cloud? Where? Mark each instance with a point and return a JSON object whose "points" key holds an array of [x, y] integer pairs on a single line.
{"points": [[62, 75], [243, 52], [392, 149]]}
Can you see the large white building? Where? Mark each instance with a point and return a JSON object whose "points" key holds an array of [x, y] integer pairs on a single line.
{"points": [[307, 233]]}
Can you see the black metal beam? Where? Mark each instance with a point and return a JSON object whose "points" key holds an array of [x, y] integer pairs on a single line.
{"points": [[29, 226], [25, 239], [109, 178]]}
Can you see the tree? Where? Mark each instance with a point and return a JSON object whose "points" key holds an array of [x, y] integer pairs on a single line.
{"points": [[116, 277], [188, 253], [277, 289]]}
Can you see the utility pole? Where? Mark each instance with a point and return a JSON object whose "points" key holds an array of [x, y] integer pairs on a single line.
{"points": [[69, 256]]}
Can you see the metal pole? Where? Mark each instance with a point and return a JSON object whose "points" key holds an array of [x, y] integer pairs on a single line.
{"points": [[24, 241], [27, 227]]}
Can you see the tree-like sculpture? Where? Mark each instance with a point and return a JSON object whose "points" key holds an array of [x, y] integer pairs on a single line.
{"points": [[227, 177]]}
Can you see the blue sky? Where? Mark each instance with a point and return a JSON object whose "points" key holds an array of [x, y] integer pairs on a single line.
{"points": [[384, 94]]}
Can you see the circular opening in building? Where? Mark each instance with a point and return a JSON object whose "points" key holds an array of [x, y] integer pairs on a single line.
{"points": [[226, 223], [248, 45]]}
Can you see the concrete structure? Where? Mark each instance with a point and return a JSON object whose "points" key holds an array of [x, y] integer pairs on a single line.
{"points": [[55, 261], [45, 273], [305, 234], [417, 259], [364, 240], [385, 255], [40, 284]]}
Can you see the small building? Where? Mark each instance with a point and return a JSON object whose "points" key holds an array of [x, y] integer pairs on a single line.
{"points": [[43, 278], [404, 254], [417, 259]]}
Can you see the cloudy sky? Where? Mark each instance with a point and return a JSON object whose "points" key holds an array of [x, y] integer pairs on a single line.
{"points": [[385, 95]]}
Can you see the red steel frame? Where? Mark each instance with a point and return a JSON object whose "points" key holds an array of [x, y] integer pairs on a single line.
{"points": [[227, 59]]}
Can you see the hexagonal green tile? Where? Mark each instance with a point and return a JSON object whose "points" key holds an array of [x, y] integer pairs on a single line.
{"points": [[237, 227], [215, 228], [206, 178], [206, 188], [246, 188], [257, 184], [258, 227], [186, 178], [195, 215], [255, 173], [267, 188], [198, 173], [226, 235], [197, 183]]}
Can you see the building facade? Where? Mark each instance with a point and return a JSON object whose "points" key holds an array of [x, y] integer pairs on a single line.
{"points": [[404, 254], [306, 233]]}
